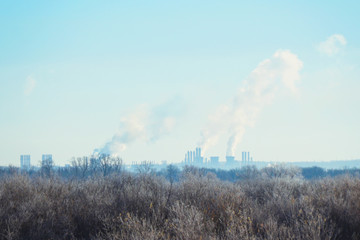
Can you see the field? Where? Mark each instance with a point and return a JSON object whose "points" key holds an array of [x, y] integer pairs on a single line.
{"points": [[191, 204]]}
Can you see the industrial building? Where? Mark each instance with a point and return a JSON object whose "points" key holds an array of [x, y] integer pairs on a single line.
{"points": [[246, 157], [196, 159], [214, 160]]}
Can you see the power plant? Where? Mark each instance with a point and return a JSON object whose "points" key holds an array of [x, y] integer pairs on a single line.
{"points": [[192, 158], [246, 157], [196, 159]]}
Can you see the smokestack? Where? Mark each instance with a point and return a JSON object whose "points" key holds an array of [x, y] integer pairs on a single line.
{"points": [[248, 157], [200, 158], [197, 155], [193, 156]]}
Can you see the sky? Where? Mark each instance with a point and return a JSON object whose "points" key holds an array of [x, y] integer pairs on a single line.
{"points": [[150, 80]]}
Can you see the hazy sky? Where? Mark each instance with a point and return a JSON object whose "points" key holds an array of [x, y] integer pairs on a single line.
{"points": [[149, 80]]}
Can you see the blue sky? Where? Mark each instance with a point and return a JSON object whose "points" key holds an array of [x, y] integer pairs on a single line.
{"points": [[157, 75]]}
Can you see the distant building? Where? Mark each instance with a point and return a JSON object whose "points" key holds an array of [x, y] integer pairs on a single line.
{"points": [[246, 157], [230, 159], [214, 160], [194, 157], [47, 159], [25, 162]]}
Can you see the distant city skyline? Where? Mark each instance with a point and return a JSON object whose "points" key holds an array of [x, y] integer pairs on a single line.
{"points": [[151, 80]]}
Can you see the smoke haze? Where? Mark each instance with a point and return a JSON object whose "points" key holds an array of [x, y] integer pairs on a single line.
{"points": [[143, 124]]}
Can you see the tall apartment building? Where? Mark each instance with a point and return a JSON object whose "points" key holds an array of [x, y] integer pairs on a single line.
{"points": [[47, 159], [25, 162]]}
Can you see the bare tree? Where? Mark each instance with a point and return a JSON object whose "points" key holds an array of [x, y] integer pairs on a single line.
{"points": [[248, 173], [172, 173], [75, 168], [110, 165], [47, 167], [145, 168], [94, 165], [116, 165], [280, 171], [105, 164], [81, 166], [12, 170]]}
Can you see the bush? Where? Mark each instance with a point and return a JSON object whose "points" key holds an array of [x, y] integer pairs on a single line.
{"points": [[275, 204]]}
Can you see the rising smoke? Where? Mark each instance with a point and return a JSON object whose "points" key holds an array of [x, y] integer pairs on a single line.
{"points": [[143, 124], [271, 76]]}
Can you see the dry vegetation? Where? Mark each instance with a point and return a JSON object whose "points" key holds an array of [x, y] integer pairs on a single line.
{"points": [[198, 206]]}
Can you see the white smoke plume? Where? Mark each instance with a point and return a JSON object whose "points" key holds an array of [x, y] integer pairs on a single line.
{"points": [[144, 124], [269, 78]]}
